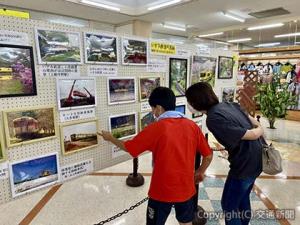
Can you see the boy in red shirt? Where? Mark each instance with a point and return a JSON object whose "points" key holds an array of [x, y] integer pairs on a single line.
{"points": [[173, 141]]}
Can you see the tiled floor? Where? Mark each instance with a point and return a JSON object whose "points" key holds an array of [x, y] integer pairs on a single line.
{"points": [[90, 199]]}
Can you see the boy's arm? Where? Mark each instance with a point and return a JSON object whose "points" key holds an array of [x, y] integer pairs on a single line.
{"points": [[107, 136], [200, 172]]}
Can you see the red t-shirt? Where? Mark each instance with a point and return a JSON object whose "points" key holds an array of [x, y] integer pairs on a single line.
{"points": [[173, 143]]}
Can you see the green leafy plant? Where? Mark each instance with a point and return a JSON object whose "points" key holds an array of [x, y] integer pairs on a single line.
{"points": [[274, 99]]}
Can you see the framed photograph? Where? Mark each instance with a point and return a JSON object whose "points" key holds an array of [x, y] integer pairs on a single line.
{"points": [[180, 108], [74, 93], [17, 74], [101, 48], [121, 90], [228, 94], [26, 126], [58, 47], [197, 115], [203, 70], [34, 173], [225, 67], [146, 118], [146, 86], [178, 76], [134, 51], [123, 126], [2, 149], [78, 136]]}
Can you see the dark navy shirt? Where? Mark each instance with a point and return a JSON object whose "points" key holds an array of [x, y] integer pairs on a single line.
{"points": [[229, 123]]}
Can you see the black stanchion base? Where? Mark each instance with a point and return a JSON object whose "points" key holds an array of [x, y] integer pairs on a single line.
{"points": [[199, 218], [135, 181]]}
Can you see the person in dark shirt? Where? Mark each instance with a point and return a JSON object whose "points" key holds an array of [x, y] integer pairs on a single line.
{"points": [[239, 134]]}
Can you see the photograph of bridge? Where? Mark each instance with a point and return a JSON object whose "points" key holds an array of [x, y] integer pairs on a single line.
{"points": [[100, 48], [79, 136], [32, 174], [76, 93], [204, 70], [58, 47], [178, 76], [17, 74]]}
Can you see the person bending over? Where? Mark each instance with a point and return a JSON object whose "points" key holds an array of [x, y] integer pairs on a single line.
{"points": [[173, 141], [234, 130]]}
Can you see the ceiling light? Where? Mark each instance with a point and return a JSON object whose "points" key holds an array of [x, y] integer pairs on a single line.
{"points": [[210, 35], [234, 17], [268, 44], [222, 43], [174, 27], [287, 35], [100, 5], [266, 26], [164, 4], [240, 40]]}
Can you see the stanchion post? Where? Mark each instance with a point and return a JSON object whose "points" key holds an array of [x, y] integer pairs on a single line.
{"points": [[135, 179], [199, 218]]}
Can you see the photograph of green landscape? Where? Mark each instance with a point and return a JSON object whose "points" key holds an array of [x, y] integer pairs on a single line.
{"points": [[57, 47], [178, 76], [123, 126]]}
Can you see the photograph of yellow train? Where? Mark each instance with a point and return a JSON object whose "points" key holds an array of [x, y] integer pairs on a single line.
{"points": [[78, 136], [204, 70], [25, 126], [17, 75]]}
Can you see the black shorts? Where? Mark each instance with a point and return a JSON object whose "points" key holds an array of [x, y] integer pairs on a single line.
{"points": [[158, 212]]}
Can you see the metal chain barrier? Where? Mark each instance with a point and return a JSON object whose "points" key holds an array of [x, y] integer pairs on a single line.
{"points": [[122, 213]]}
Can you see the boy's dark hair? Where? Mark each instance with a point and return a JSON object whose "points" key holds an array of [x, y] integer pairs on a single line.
{"points": [[201, 96], [164, 97]]}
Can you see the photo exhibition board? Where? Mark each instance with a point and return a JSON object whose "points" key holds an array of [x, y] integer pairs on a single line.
{"points": [[47, 97]]}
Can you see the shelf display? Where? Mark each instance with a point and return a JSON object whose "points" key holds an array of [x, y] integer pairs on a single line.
{"points": [[146, 86], [203, 70], [225, 67], [134, 51], [146, 119], [123, 126], [34, 173], [25, 126], [58, 47], [17, 74], [78, 136], [178, 69], [121, 90], [76, 93], [228, 94], [101, 48]]}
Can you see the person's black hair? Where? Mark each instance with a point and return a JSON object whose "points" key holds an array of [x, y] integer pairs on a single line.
{"points": [[201, 96], [164, 97]]}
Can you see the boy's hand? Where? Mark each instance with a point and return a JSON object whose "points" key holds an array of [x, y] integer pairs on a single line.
{"points": [[199, 177], [107, 136]]}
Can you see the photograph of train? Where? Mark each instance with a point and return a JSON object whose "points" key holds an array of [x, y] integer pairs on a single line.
{"points": [[79, 136], [24, 126], [121, 90], [76, 93], [58, 47], [100, 48], [134, 52], [225, 67], [146, 119], [123, 126], [32, 174], [17, 75], [178, 76], [204, 69], [147, 85], [228, 94]]}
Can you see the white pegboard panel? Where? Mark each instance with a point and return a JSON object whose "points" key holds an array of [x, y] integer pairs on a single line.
{"points": [[46, 89]]}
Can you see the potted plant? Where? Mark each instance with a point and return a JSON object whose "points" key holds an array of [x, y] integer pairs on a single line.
{"points": [[274, 99]]}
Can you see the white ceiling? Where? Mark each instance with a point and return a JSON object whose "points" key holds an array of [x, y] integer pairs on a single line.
{"points": [[200, 16]]}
